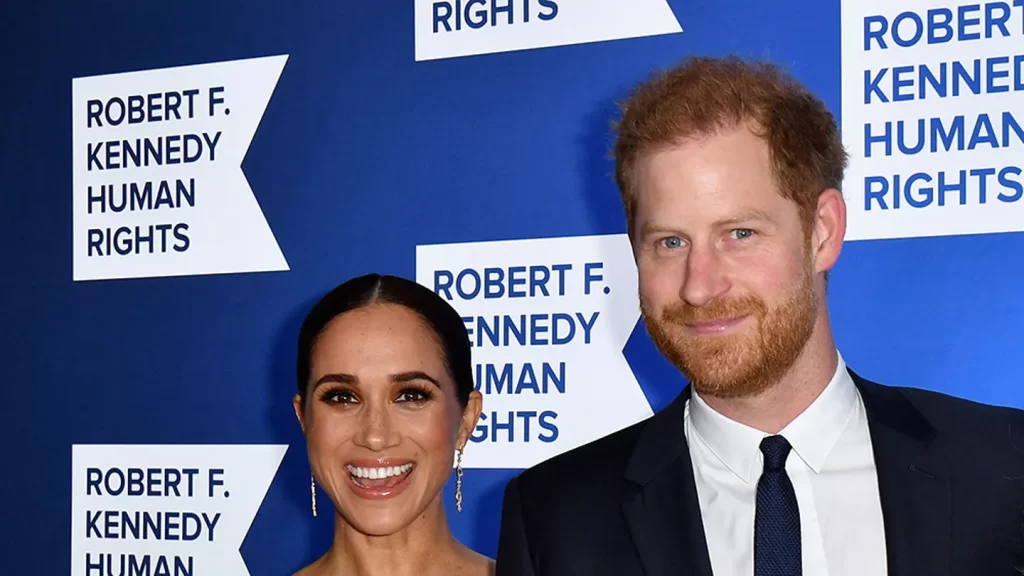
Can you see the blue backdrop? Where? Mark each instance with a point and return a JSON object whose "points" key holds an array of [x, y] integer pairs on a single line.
{"points": [[364, 153]]}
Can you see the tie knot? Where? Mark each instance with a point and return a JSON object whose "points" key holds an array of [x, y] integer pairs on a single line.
{"points": [[775, 450]]}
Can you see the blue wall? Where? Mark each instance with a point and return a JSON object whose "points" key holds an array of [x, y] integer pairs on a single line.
{"points": [[363, 154]]}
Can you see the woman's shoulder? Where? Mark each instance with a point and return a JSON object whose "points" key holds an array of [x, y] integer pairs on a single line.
{"points": [[313, 569], [490, 567], [477, 564]]}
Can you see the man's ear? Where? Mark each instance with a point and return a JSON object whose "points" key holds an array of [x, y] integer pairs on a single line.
{"points": [[829, 229]]}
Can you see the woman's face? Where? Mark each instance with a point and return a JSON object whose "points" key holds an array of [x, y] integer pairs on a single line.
{"points": [[381, 419]]}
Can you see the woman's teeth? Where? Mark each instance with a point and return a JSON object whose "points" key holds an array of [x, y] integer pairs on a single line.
{"points": [[378, 473]]}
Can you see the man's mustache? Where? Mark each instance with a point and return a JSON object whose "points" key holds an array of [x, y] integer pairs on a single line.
{"points": [[716, 310]]}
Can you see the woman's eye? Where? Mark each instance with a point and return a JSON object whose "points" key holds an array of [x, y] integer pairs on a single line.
{"points": [[340, 397], [413, 396]]}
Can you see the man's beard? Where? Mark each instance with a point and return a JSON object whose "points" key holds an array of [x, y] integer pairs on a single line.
{"points": [[748, 362]]}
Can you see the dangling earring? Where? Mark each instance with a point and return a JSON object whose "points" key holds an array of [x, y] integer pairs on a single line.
{"points": [[312, 493], [458, 482]]}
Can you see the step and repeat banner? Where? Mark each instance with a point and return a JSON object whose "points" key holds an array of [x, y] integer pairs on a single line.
{"points": [[183, 182]]}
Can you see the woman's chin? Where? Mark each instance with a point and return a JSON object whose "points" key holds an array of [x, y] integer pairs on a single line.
{"points": [[376, 517], [380, 523]]}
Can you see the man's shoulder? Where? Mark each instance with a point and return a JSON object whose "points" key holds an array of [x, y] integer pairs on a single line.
{"points": [[940, 403], [943, 407], [952, 415], [596, 463]]}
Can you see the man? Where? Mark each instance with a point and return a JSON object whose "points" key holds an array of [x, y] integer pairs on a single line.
{"points": [[776, 459]]}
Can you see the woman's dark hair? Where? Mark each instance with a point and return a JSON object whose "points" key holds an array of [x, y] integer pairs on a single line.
{"points": [[359, 292]]}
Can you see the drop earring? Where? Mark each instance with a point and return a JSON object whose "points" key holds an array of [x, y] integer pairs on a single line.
{"points": [[458, 482], [312, 493]]}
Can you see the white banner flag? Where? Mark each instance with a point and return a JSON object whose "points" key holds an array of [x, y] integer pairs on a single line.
{"points": [[158, 184], [548, 320], [171, 509], [454, 28]]}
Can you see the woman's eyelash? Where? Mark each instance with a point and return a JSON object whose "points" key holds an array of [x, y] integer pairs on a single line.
{"points": [[336, 395], [410, 394], [415, 395]]}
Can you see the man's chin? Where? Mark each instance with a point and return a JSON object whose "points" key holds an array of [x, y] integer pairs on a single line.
{"points": [[720, 383], [724, 367]]}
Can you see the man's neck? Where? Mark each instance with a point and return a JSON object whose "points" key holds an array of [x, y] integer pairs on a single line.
{"points": [[774, 409]]}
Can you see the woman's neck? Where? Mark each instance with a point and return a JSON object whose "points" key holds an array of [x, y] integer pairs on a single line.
{"points": [[424, 547]]}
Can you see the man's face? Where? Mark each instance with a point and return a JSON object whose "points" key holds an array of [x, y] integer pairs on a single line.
{"points": [[725, 268]]}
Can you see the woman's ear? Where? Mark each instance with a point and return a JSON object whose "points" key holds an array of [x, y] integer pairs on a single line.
{"points": [[470, 417], [300, 414]]}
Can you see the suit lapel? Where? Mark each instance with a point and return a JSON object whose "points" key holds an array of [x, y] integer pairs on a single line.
{"points": [[913, 481], [663, 514], [661, 507]]}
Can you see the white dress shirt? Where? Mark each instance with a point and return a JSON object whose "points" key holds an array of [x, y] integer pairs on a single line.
{"points": [[831, 466]]}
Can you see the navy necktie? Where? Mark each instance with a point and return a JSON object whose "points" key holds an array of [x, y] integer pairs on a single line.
{"points": [[777, 520]]}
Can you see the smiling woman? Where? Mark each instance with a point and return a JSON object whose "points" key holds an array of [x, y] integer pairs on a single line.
{"points": [[385, 400]]}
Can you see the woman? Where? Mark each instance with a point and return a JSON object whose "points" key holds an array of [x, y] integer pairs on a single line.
{"points": [[385, 401]]}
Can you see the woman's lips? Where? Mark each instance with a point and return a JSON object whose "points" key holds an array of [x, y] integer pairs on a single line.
{"points": [[379, 481]]}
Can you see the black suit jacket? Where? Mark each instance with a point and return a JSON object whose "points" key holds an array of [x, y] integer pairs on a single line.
{"points": [[950, 474]]}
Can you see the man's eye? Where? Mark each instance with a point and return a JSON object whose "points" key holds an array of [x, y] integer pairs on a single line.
{"points": [[672, 242]]}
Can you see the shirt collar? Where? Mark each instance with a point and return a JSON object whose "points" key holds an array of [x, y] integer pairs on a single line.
{"points": [[812, 434]]}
